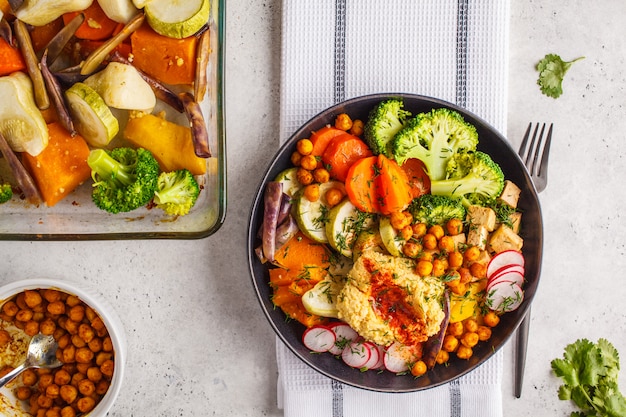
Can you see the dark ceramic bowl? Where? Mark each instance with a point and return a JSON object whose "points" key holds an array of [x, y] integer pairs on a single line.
{"points": [[290, 331]]}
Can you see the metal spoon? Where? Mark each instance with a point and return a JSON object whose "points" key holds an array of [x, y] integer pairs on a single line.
{"points": [[41, 354]]}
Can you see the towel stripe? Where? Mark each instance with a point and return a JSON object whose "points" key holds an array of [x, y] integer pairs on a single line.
{"points": [[455, 398], [340, 50], [461, 52], [337, 392]]}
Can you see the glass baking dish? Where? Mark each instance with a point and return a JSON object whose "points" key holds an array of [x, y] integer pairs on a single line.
{"points": [[77, 218]]}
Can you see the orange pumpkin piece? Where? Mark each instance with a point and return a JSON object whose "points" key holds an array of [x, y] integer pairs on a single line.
{"points": [[61, 166], [169, 60], [11, 59], [300, 253], [171, 144]]}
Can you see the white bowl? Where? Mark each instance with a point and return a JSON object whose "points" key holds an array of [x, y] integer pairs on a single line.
{"points": [[10, 405]]}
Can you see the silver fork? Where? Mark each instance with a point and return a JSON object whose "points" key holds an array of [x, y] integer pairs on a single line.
{"points": [[536, 161]]}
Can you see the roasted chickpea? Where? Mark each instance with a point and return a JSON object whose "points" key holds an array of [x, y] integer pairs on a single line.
{"points": [[5, 338], [484, 333], [429, 241], [102, 386], [71, 326], [95, 345], [304, 146], [399, 220], [419, 230], [470, 325], [24, 315], [333, 196], [68, 354], [62, 377], [450, 343], [436, 230], [47, 327], [85, 332], [68, 393], [78, 341], [469, 339], [442, 357], [68, 411], [56, 308], [44, 381], [446, 244], [419, 368], [304, 177], [94, 374], [357, 127], [85, 404], [406, 232], [455, 329], [32, 298], [82, 367], [491, 319], [10, 308], [23, 393], [426, 255], [51, 295], [424, 268], [31, 328], [455, 260], [464, 352], [411, 249], [454, 227], [76, 378], [29, 377], [76, 313], [457, 287], [52, 391], [471, 254], [295, 158], [343, 122], [44, 402], [439, 267], [53, 412], [86, 387], [478, 270], [83, 355], [312, 192], [64, 340], [321, 175], [308, 162], [465, 275], [107, 368]]}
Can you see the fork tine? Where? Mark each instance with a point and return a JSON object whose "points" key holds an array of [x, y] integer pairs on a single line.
{"points": [[533, 168], [522, 148], [543, 165]]}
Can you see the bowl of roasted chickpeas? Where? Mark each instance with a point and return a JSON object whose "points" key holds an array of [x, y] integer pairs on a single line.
{"points": [[91, 348]]}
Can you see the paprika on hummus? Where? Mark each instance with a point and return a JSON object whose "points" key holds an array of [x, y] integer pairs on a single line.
{"points": [[384, 300]]}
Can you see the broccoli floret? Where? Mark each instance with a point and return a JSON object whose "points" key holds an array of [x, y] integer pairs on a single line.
{"points": [[383, 122], [472, 176], [6, 192], [124, 178], [177, 192], [436, 209], [434, 137]]}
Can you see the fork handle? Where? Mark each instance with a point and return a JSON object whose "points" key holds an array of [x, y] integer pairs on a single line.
{"points": [[520, 353]]}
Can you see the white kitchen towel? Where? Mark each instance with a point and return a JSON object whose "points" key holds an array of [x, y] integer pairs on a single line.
{"points": [[333, 50]]}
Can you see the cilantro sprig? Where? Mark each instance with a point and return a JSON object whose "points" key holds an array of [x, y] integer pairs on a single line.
{"points": [[552, 70], [590, 372]]}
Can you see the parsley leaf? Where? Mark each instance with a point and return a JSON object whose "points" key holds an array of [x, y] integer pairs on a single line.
{"points": [[590, 373], [552, 70]]}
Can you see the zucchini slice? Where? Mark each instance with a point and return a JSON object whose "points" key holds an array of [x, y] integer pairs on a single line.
{"points": [[91, 116]]}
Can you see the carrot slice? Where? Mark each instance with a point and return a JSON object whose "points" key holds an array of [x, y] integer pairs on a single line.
{"points": [[297, 311], [392, 186], [342, 152], [322, 137], [11, 59], [97, 25], [419, 180], [300, 253], [360, 184]]}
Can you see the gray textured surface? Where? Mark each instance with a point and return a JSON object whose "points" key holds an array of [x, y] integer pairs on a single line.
{"points": [[198, 344]]}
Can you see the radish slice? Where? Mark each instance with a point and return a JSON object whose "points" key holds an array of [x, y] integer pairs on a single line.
{"points": [[375, 356], [397, 357], [507, 257], [505, 296], [356, 354], [344, 334], [511, 276], [318, 338], [507, 268]]}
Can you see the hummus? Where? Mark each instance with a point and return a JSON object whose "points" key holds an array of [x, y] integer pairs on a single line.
{"points": [[384, 300]]}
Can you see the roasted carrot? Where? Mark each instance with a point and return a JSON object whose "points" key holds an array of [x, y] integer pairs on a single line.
{"points": [[5, 8], [97, 25], [322, 137], [419, 180], [342, 152], [360, 184], [392, 186], [11, 59], [297, 312], [301, 253]]}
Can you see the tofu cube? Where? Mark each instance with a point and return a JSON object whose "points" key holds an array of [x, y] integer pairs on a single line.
{"points": [[515, 221], [510, 194], [459, 240], [505, 239], [482, 216], [477, 236]]}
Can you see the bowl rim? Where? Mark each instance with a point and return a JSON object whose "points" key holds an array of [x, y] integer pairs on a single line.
{"points": [[305, 129], [105, 312]]}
